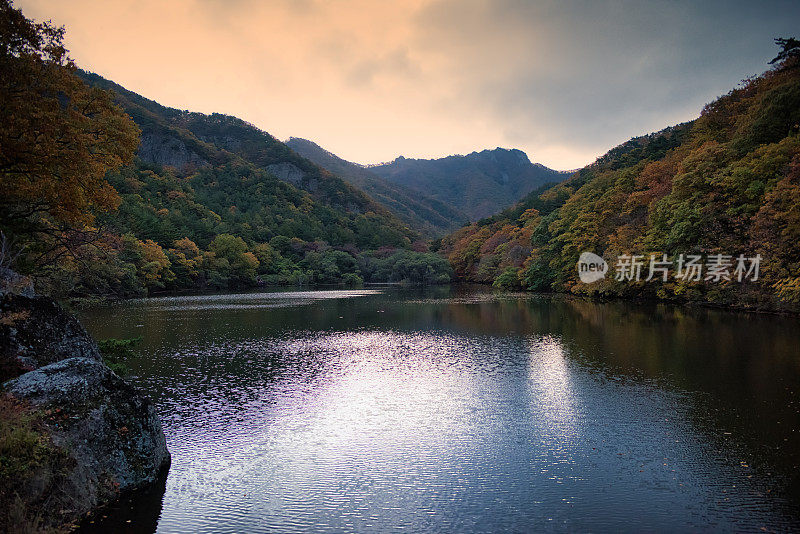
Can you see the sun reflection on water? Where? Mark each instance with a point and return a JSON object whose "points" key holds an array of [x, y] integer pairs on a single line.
{"points": [[394, 386], [550, 382]]}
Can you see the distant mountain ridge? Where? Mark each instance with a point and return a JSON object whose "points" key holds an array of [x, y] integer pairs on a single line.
{"points": [[406, 198], [186, 141], [201, 175], [427, 215], [478, 184]]}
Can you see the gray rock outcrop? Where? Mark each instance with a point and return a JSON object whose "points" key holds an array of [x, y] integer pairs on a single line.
{"points": [[169, 151], [110, 433], [288, 172], [36, 331], [77, 435], [14, 283]]}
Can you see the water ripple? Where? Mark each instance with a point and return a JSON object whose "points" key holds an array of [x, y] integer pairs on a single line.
{"points": [[434, 430]]}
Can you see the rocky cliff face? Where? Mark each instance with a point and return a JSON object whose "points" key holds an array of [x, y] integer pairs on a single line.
{"points": [[74, 436], [168, 151], [287, 172]]}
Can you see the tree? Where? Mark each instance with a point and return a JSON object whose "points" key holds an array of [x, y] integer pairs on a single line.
{"points": [[790, 47], [241, 264], [59, 136], [508, 279], [157, 267]]}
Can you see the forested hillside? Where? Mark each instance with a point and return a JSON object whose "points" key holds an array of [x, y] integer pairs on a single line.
{"points": [[211, 148], [478, 184], [429, 216], [104, 192], [213, 201], [727, 183]]}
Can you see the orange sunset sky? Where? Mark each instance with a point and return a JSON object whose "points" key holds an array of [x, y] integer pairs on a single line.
{"points": [[563, 81]]}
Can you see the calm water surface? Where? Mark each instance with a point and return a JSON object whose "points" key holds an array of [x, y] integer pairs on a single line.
{"points": [[455, 410]]}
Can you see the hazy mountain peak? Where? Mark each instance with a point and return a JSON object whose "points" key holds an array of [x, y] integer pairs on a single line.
{"points": [[479, 183], [427, 215]]}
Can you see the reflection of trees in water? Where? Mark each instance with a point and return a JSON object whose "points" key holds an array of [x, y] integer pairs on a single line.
{"points": [[746, 366], [696, 348], [733, 355]]}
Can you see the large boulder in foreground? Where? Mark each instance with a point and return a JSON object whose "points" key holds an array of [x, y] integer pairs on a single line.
{"points": [[36, 331], [103, 438]]}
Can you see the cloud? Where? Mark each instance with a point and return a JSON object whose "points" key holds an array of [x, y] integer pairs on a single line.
{"points": [[591, 74], [563, 80]]}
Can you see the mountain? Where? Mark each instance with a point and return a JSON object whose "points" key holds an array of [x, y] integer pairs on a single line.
{"points": [[430, 217], [213, 201], [725, 187], [478, 184], [189, 143]]}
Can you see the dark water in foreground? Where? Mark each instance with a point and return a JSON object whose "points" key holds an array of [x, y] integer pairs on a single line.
{"points": [[456, 411]]}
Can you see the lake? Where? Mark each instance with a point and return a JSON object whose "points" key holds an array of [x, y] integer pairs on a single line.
{"points": [[462, 410]]}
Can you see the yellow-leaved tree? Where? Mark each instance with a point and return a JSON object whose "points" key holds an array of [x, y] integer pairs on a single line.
{"points": [[58, 139]]}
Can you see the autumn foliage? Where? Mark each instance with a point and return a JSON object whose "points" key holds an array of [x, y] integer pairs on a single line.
{"points": [[85, 214], [725, 183], [59, 136]]}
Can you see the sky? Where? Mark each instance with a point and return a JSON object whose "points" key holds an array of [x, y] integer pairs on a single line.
{"points": [[563, 81]]}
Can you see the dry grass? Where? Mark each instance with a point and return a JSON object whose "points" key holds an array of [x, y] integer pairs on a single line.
{"points": [[27, 460]]}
